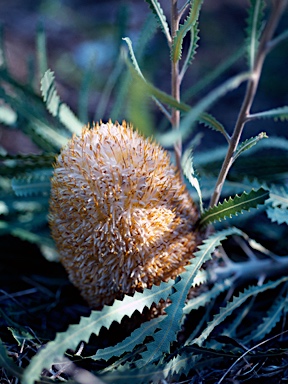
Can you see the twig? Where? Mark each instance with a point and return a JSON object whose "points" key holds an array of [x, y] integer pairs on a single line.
{"points": [[251, 89], [250, 269]]}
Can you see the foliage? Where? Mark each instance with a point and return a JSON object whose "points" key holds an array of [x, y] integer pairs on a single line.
{"points": [[221, 305]]}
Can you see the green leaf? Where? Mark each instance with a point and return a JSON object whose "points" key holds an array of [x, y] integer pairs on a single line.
{"points": [[13, 164], [92, 324], [234, 206], [189, 23], [188, 121], [171, 324], [143, 89], [268, 322], [205, 297], [249, 143], [127, 345], [148, 87], [160, 17], [278, 215], [253, 30], [234, 304], [34, 183], [277, 113], [190, 173], [194, 37], [210, 122], [56, 107]]}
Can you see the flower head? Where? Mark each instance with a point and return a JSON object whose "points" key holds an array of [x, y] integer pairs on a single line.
{"points": [[119, 213]]}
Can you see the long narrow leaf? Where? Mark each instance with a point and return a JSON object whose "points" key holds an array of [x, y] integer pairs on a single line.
{"points": [[249, 143], [191, 117], [92, 324], [35, 183], [184, 29], [172, 322], [160, 17], [277, 113], [234, 206], [254, 24], [234, 304]]}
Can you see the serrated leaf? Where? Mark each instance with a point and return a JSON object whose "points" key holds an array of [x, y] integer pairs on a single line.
{"points": [[184, 29], [280, 113], [13, 164], [234, 206], [92, 324], [253, 30], [249, 143], [189, 171], [210, 122], [205, 297], [34, 183], [172, 322], [278, 196], [278, 215], [160, 17], [234, 304], [56, 107], [127, 345], [188, 121], [153, 91], [268, 322]]}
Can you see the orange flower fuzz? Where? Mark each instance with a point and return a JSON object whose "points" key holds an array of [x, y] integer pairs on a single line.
{"points": [[120, 216]]}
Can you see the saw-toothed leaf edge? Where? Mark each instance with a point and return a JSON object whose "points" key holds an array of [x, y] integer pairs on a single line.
{"points": [[55, 105], [184, 28], [234, 206], [157, 10]]}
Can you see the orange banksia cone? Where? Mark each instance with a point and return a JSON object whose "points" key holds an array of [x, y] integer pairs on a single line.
{"points": [[120, 215]]}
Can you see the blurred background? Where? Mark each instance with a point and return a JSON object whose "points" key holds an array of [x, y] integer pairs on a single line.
{"points": [[83, 46]]}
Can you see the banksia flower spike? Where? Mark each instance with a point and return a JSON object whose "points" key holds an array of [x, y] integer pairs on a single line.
{"points": [[119, 213]]}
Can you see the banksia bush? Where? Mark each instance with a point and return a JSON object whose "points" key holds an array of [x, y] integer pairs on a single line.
{"points": [[120, 215]]}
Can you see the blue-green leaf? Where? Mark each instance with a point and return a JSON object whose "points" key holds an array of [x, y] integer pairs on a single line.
{"points": [[234, 304], [172, 322], [34, 183], [56, 107], [92, 324], [278, 215], [277, 113]]}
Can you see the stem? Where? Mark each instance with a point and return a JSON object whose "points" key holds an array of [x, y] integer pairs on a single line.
{"points": [[175, 84], [278, 8]]}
